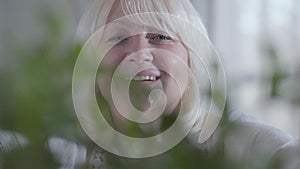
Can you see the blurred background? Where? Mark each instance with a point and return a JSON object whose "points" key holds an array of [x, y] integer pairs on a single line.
{"points": [[258, 42]]}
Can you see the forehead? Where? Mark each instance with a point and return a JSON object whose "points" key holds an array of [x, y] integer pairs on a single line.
{"points": [[115, 12], [140, 18], [117, 20]]}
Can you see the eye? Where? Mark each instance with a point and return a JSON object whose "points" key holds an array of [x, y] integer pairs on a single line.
{"points": [[158, 38], [117, 39]]}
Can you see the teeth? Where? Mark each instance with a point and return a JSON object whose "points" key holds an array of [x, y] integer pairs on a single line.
{"points": [[142, 78]]}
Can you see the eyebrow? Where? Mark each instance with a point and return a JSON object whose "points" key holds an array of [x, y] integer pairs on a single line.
{"points": [[126, 25]]}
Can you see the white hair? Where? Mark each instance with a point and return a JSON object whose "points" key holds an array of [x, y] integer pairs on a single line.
{"points": [[180, 17]]}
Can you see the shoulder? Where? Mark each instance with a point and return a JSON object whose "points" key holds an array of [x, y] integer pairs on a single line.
{"points": [[245, 129], [245, 139]]}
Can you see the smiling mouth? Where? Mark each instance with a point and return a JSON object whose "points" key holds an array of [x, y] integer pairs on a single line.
{"points": [[146, 78]]}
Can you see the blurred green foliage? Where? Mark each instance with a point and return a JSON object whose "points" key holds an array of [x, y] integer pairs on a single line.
{"points": [[36, 84], [35, 97], [36, 100]]}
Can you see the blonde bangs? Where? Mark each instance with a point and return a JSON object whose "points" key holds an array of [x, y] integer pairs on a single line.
{"points": [[149, 13]]}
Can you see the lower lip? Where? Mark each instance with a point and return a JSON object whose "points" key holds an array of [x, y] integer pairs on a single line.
{"points": [[146, 83]]}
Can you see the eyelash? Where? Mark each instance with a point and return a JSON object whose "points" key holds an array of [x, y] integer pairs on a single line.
{"points": [[152, 37], [157, 36], [118, 39]]}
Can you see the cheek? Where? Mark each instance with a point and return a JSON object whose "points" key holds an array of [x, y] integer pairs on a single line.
{"points": [[175, 64], [174, 55], [183, 53], [105, 72], [103, 84], [111, 60], [175, 82], [107, 67]]}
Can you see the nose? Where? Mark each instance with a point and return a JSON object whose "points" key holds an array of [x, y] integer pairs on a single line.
{"points": [[140, 57], [138, 51]]}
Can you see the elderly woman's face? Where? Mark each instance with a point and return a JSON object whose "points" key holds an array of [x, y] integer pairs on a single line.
{"points": [[145, 57]]}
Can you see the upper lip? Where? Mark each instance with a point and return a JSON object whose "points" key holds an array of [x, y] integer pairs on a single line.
{"points": [[149, 72]]}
